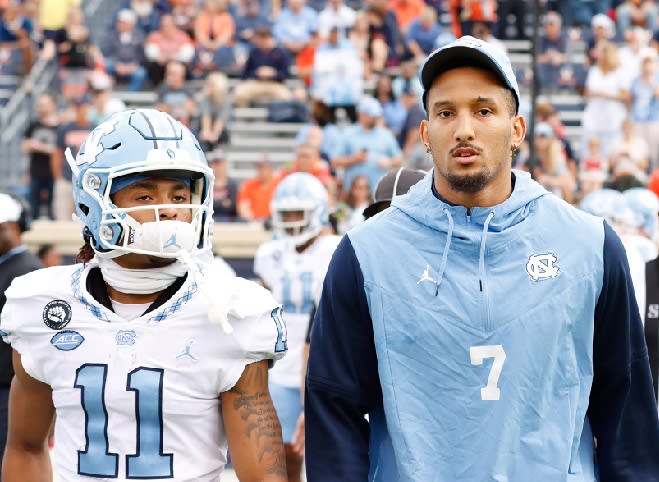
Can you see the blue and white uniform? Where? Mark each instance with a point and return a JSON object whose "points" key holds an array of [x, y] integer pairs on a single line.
{"points": [[485, 344], [139, 398], [295, 280]]}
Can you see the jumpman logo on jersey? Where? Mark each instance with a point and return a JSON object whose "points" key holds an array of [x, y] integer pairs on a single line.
{"points": [[426, 276], [187, 352], [171, 242]]}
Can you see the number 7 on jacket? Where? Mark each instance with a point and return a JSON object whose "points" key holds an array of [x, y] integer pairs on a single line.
{"points": [[478, 354]]}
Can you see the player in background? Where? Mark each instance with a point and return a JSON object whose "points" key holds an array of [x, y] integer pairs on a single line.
{"points": [[15, 260], [152, 363], [646, 204], [633, 215], [293, 265], [394, 183], [613, 206]]}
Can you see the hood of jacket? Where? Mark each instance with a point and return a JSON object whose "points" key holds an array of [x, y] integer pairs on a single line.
{"points": [[474, 230], [422, 205]]}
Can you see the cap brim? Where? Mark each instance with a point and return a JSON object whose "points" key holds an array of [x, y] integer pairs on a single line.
{"points": [[461, 56], [374, 208], [450, 58]]}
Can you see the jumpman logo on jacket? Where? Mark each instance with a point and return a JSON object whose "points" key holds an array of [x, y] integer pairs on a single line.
{"points": [[426, 276]]}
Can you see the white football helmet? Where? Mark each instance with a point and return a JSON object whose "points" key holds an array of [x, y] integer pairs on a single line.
{"points": [[141, 142], [302, 192], [646, 205], [612, 206]]}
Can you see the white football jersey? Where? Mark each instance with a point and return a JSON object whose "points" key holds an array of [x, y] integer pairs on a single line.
{"points": [[138, 399], [639, 251], [294, 279]]}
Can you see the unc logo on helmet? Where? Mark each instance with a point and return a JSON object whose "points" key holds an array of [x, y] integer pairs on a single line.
{"points": [[301, 193], [56, 314], [93, 146], [140, 143]]}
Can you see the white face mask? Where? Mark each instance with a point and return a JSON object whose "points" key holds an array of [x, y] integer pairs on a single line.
{"points": [[164, 238], [158, 238]]}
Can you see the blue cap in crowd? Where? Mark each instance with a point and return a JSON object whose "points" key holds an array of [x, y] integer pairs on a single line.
{"points": [[370, 106], [542, 129], [468, 51]]}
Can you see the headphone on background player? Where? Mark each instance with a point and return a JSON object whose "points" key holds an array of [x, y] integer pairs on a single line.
{"points": [[25, 220]]}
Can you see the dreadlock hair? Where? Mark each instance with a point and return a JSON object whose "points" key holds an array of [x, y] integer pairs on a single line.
{"points": [[86, 252]]}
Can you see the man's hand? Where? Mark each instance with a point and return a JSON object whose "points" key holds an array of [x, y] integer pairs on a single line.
{"points": [[297, 442]]}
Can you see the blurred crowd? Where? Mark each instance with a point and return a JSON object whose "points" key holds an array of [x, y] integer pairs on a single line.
{"points": [[346, 71]]}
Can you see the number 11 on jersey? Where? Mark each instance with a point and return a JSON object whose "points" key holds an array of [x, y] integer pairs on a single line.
{"points": [[148, 461]]}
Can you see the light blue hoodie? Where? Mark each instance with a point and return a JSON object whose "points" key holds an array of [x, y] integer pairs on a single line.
{"points": [[483, 328], [486, 345]]}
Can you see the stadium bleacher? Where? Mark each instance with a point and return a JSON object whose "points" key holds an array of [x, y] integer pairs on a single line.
{"points": [[252, 134]]}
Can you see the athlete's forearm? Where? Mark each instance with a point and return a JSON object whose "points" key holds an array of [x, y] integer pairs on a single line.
{"points": [[263, 437], [253, 429], [21, 465]]}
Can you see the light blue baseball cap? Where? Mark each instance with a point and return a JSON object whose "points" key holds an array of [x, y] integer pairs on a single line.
{"points": [[370, 106], [543, 129], [468, 51]]}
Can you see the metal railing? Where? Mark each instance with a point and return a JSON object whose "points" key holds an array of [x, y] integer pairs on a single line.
{"points": [[14, 119], [16, 114]]}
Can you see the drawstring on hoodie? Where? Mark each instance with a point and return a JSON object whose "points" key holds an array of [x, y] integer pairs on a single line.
{"points": [[447, 246], [449, 235]]}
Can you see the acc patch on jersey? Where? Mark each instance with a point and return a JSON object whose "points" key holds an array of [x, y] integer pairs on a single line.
{"points": [[67, 340], [57, 314]]}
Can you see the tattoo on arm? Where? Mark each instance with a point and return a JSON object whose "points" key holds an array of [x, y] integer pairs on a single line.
{"points": [[257, 411]]}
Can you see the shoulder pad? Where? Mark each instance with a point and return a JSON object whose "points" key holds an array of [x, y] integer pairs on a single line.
{"points": [[237, 298], [36, 282], [248, 298]]}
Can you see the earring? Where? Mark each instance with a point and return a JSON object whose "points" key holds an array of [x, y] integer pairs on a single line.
{"points": [[513, 149], [428, 148]]}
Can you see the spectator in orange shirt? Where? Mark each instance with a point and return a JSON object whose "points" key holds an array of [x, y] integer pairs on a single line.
{"points": [[255, 194], [307, 159], [465, 12], [304, 62], [214, 31], [406, 11], [164, 45]]}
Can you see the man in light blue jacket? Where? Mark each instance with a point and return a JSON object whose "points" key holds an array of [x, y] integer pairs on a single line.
{"points": [[488, 328]]}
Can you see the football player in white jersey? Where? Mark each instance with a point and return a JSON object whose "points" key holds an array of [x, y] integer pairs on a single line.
{"points": [[153, 363], [615, 207], [293, 265]]}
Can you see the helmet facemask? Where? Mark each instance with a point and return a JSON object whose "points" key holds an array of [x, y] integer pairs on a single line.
{"points": [[298, 231], [299, 192]]}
